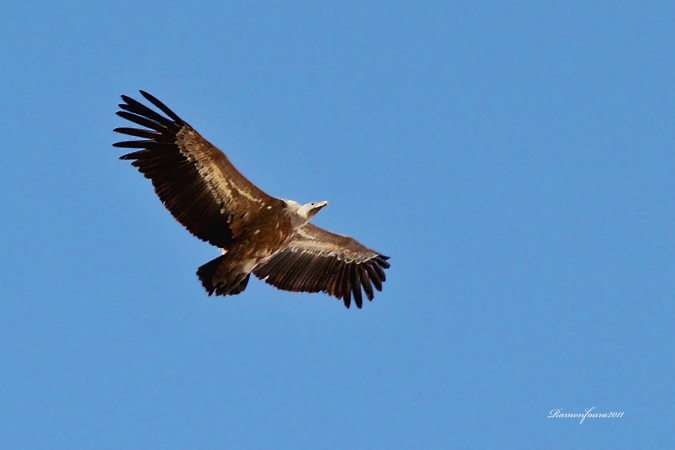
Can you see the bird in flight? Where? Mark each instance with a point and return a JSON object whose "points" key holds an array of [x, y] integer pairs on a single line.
{"points": [[269, 237]]}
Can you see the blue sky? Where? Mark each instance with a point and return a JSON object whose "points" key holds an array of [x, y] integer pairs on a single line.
{"points": [[515, 160]]}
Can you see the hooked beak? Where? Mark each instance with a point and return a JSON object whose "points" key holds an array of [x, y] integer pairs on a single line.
{"points": [[317, 208]]}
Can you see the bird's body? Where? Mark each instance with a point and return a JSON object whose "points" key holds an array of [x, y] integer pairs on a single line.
{"points": [[269, 237]]}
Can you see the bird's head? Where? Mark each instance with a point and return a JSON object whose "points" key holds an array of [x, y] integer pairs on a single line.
{"points": [[309, 210]]}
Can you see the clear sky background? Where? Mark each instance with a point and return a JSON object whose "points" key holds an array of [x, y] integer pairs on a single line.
{"points": [[515, 160]]}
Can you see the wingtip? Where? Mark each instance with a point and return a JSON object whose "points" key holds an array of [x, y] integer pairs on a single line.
{"points": [[148, 96], [347, 300]]}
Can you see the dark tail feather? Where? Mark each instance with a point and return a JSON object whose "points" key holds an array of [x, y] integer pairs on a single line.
{"points": [[238, 288], [221, 283], [207, 272]]}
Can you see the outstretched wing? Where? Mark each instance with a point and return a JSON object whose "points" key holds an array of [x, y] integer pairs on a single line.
{"points": [[320, 261], [195, 181]]}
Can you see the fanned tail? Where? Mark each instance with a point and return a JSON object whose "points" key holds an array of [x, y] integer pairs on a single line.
{"points": [[221, 281]]}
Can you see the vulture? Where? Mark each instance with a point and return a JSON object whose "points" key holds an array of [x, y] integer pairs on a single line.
{"points": [[268, 237]]}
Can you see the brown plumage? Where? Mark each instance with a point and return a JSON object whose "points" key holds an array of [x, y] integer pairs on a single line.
{"points": [[259, 234]]}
